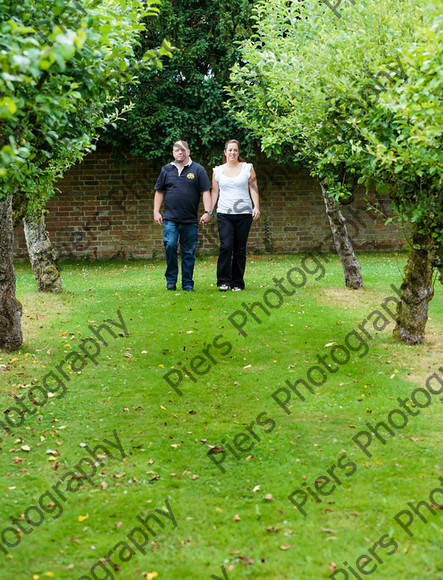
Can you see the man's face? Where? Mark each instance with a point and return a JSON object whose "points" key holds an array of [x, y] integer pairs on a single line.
{"points": [[180, 154]]}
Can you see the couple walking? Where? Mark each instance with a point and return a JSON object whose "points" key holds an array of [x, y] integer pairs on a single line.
{"points": [[179, 186]]}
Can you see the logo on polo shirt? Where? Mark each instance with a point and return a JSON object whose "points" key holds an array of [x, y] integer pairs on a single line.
{"points": [[190, 176]]}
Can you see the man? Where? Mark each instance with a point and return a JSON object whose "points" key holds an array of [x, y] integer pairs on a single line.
{"points": [[180, 185]]}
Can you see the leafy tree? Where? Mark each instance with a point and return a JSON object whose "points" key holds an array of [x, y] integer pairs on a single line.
{"points": [[407, 161], [340, 93], [184, 100], [62, 66]]}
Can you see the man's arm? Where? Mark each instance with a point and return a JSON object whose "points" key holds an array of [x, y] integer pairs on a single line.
{"points": [[208, 207], [158, 200]]}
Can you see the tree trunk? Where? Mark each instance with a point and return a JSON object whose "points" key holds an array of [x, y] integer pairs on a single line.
{"points": [[416, 290], [342, 241], [11, 337], [42, 254]]}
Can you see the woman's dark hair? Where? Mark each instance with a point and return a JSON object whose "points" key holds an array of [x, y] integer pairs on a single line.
{"points": [[226, 146]]}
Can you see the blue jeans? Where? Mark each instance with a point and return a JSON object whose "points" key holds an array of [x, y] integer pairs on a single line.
{"points": [[188, 242]]}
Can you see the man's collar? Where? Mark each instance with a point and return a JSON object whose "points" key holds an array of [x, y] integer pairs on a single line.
{"points": [[174, 163]]}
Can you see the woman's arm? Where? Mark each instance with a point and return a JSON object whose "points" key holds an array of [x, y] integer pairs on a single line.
{"points": [[210, 201], [253, 189], [214, 192]]}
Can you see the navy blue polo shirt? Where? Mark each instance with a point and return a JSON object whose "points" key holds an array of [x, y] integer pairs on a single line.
{"points": [[182, 192]]}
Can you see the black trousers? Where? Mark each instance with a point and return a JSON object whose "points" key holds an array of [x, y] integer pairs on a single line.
{"points": [[233, 230]]}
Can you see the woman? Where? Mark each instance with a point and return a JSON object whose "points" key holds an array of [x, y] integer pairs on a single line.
{"points": [[234, 184]]}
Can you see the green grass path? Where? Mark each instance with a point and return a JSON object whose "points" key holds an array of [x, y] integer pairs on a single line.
{"points": [[239, 518]]}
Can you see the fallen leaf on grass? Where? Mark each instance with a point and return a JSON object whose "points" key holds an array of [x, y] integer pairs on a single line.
{"points": [[285, 547], [82, 518], [246, 560], [236, 518], [25, 448], [332, 566], [119, 475], [216, 449], [328, 531]]}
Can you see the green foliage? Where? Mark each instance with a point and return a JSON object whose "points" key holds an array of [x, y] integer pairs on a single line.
{"points": [[62, 69], [410, 156], [184, 100], [355, 97]]}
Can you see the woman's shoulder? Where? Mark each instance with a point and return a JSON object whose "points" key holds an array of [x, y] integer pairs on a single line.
{"points": [[217, 170], [248, 167]]}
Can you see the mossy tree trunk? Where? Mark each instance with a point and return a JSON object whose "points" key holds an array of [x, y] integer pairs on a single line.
{"points": [[11, 337], [416, 290], [41, 253], [342, 241]]}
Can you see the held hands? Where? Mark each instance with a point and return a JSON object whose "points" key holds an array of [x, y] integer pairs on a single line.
{"points": [[158, 218], [206, 218], [255, 214]]}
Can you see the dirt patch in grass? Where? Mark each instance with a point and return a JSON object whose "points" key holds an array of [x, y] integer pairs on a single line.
{"points": [[421, 360], [38, 309]]}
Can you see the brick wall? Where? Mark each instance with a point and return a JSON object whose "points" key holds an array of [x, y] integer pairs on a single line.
{"points": [[104, 210]]}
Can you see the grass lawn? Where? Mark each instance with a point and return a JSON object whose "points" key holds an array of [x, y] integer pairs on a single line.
{"points": [[238, 515]]}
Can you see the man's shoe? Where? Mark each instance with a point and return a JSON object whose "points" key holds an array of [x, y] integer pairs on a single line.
{"points": [[171, 287], [223, 288], [188, 289]]}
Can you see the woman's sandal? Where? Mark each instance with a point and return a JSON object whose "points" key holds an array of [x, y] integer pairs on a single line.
{"points": [[236, 289], [223, 288]]}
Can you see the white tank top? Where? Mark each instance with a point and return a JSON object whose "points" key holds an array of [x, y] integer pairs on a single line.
{"points": [[234, 195]]}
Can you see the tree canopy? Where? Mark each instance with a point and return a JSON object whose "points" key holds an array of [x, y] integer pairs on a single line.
{"points": [[357, 95], [62, 68], [63, 65], [185, 99], [354, 90]]}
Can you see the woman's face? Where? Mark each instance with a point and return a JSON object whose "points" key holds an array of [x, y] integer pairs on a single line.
{"points": [[231, 152]]}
